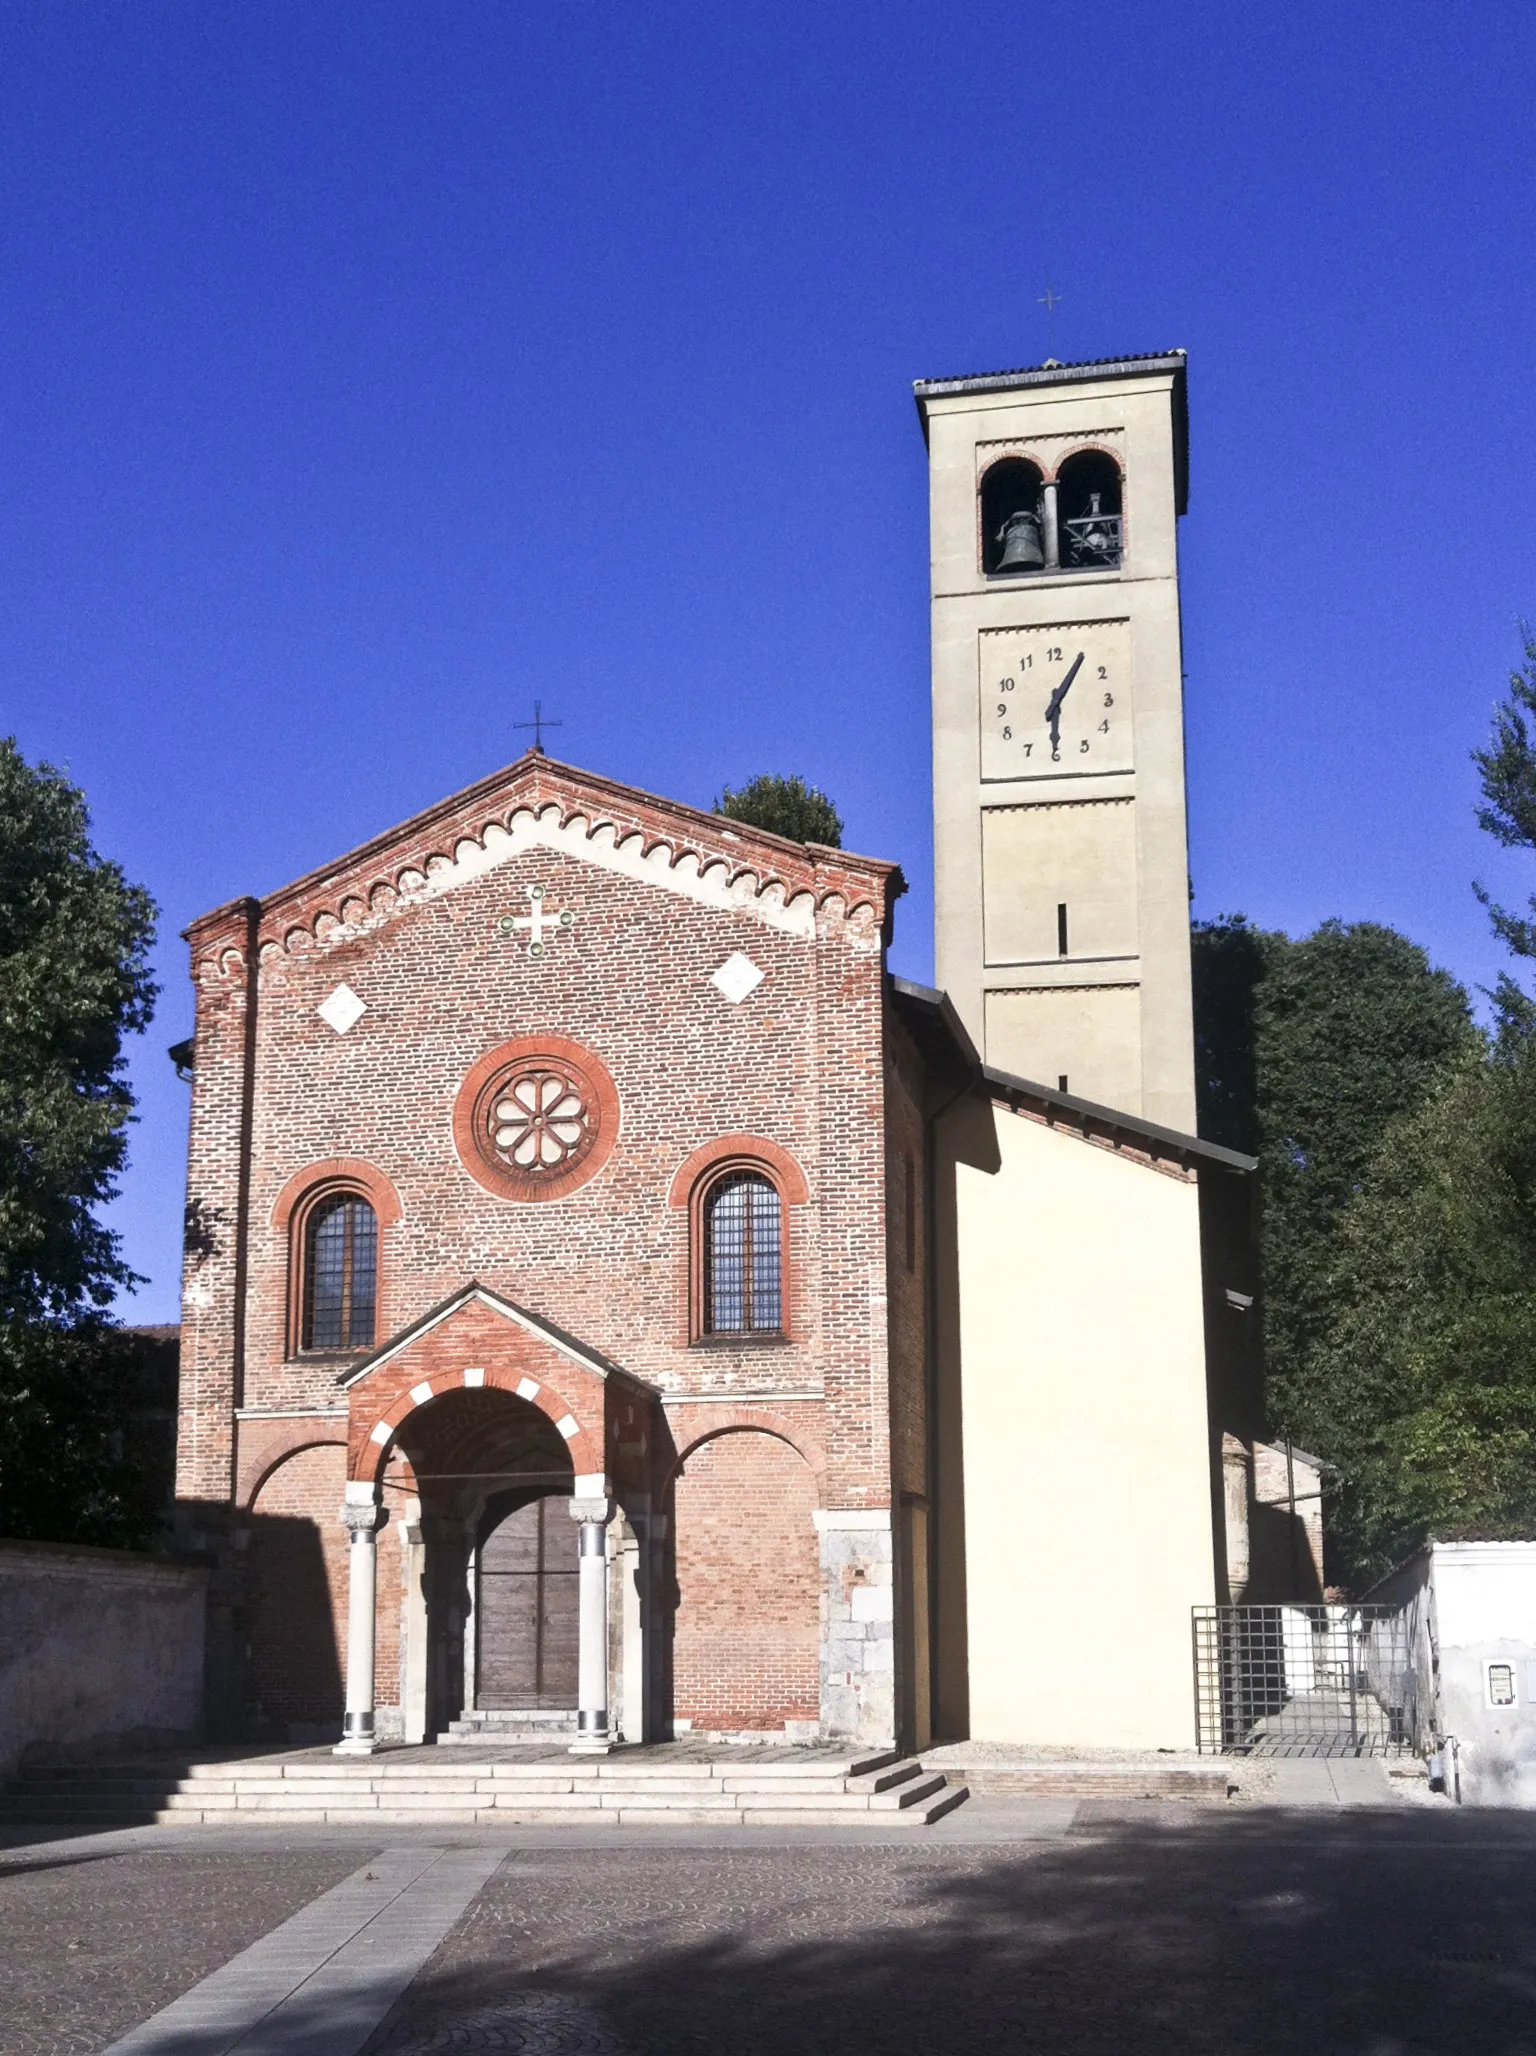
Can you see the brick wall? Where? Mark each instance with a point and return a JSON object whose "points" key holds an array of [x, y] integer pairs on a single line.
{"points": [[744, 1653]]}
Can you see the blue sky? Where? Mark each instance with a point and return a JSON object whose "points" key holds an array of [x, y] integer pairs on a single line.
{"points": [[369, 371]]}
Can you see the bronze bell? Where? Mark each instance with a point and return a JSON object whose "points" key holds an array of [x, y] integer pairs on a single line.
{"points": [[1020, 538]]}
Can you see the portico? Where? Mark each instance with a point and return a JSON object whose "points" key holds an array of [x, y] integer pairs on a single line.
{"points": [[483, 1466]]}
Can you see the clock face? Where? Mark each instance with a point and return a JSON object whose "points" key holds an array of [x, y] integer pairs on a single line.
{"points": [[1056, 701]]}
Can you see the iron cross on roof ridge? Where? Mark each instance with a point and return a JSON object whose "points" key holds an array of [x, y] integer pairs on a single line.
{"points": [[538, 724]]}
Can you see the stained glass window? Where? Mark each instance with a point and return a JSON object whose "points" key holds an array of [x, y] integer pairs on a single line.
{"points": [[341, 1269], [743, 1288]]}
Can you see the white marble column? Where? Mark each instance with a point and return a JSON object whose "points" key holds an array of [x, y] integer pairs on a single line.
{"points": [[593, 1736], [1050, 527], [363, 1518]]}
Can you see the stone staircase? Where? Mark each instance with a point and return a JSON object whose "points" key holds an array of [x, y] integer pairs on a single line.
{"points": [[665, 1784]]}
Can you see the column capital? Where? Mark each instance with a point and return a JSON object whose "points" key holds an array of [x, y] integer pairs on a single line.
{"points": [[362, 1520], [590, 1509]]}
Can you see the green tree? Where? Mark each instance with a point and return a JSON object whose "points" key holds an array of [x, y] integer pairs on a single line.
{"points": [[74, 980], [784, 806], [1307, 1050], [1507, 774], [1422, 1390]]}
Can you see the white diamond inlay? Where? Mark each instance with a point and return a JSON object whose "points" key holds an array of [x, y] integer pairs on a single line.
{"points": [[343, 1010], [737, 978]]}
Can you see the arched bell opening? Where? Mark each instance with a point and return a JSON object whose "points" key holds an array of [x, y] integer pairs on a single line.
{"points": [[1089, 512], [478, 1461], [1012, 517]]}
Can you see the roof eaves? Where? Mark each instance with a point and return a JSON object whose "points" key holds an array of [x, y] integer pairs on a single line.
{"points": [[1115, 1121], [1051, 373], [931, 1016]]}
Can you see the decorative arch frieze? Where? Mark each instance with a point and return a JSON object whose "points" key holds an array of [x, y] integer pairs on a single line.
{"points": [[809, 888]]}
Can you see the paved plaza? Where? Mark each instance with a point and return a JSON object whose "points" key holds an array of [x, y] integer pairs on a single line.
{"points": [[1040, 1926]]}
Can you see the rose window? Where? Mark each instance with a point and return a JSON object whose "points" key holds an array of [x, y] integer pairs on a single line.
{"points": [[536, 1118], [539, 1121]]}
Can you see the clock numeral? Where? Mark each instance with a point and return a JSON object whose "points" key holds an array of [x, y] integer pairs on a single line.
{"points": [[1027, 661], [1109, 699], [1028, 748], [1006, 686], [1082, 747], [1103, 728], [1002, 706], [1053, 656], [1103, 673], [1007, 732], [1055, 756]]}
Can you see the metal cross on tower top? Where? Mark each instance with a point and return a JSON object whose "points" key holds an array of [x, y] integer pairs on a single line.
{"points": [[1050, 300], [538, 724]]}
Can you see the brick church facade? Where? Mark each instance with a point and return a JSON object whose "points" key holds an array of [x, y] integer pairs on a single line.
{"points": [[559, 1154]]}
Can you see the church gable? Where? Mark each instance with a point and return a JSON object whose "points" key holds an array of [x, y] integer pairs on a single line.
{"points": [[537, 805]]}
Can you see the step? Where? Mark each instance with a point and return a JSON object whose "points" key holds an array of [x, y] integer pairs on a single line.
{"points": [[896, 1801], [919, 1816], [1107, 1778]]}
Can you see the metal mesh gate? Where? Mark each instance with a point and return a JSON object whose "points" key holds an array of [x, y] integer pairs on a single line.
{"points": [[1304, 1681]]}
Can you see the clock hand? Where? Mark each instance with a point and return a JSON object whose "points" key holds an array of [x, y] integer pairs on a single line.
{"points": [[1053, 705]]}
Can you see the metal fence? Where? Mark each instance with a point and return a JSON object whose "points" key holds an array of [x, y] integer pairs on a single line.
{"points": [[1305, 1681]]}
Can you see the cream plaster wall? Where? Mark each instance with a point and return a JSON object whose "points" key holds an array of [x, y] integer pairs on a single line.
{"points": [[1083, 1426], [1034, 858], [1085, 1034]]}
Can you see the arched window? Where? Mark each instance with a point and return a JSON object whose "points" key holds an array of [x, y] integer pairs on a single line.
{"points": [[1088, 510], [1012, 535], [341, 1274], [743, 1257]]}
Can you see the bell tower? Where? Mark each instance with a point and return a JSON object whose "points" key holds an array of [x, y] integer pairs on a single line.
{"points": [[1060, 851]]}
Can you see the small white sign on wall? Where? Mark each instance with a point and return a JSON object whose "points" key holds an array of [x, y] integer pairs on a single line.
{"points": [[1499, 1681]]}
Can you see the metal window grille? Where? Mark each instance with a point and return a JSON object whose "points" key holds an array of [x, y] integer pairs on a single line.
{"points": [[744, 1293], [341, 1268], [1304, 1681]]}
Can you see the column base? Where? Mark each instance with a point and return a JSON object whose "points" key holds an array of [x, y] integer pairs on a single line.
{"points": [[591, 1745], [356, 1745]]}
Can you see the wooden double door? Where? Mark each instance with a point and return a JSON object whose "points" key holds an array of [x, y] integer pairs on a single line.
{"points": [[526, 1612]]}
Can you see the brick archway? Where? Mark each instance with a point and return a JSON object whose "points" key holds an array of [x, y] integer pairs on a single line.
{"points": [[370, 1449]]}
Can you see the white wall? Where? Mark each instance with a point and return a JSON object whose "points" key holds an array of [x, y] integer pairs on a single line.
{"points": [[1086, 1456], [1485, 1611], [101, 1652]]}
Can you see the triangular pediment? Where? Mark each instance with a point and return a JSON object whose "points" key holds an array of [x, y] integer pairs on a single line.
{"points": [[474, 1295], [539, 804]]}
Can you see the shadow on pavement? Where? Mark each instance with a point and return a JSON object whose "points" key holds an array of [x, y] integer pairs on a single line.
{"points": [[1381, 1936]]}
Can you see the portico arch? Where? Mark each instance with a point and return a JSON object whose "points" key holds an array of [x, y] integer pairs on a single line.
{"points": [[463, 1461]]}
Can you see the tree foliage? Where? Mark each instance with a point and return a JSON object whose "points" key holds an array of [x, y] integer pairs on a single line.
{"points": [[1507, 774], [1422, 1392], [87, 1434], [1308, 1050], [74, 980], [784, 806]]}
